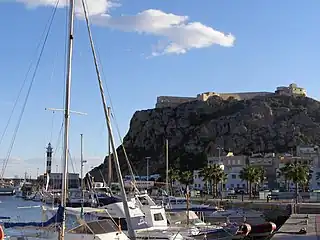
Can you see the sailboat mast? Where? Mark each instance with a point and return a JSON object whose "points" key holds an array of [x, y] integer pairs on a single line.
{"points": [[131, 231], [81, 160], [67, 117], [81, 167], [167, 166], [109, 154]]}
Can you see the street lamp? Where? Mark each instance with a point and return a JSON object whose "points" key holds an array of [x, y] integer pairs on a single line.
{"points": [[219, 148], [148, 158]]}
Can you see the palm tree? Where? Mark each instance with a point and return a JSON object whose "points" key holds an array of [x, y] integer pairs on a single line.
{"points": [[223, 179], [206, 177], [173, 175], [186, 178], [251, 174], [284, 173], [299, 174], [261, 176], [318, 178], [213, 174]]}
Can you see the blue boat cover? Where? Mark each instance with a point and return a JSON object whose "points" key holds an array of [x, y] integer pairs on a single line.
{"points": [[106, 200], [195, 209], [56, 219]]}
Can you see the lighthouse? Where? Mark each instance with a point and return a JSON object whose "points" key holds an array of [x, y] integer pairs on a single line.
{"points": [[49, 158]]}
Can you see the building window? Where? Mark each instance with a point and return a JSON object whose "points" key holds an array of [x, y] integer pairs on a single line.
{"points": [[158, 217], [233, 176]]}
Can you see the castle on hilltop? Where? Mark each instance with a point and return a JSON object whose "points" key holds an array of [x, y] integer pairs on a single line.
{"points": [[172, 101]]}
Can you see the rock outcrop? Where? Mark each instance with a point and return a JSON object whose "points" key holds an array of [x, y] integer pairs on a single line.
{"points": [[263, 124]]}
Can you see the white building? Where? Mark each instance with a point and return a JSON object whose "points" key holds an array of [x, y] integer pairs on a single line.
{"points": [[311, 156], [232, 165], [308, 155], [198, 182]]}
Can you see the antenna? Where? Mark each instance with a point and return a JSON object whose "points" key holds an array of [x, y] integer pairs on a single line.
{"points": [[62, 110]]}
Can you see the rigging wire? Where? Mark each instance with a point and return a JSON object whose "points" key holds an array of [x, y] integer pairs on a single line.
{"points": [[58, 141], [52, 120], [70, 157], [24, 82], [131, 170], [29, 90], [50, 81]]}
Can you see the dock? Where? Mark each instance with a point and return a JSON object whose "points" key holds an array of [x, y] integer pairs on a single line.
{"points": [[290, 229]]}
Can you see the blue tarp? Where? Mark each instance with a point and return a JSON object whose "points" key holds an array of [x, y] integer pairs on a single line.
{"points": [[106, 200], [194, 209], [56, 219]]}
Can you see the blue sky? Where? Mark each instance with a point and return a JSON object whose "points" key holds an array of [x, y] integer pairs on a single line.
{"points": [[273, 43]]}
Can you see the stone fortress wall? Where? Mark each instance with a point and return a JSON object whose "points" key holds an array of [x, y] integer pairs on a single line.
{"points": [[173, 101]]}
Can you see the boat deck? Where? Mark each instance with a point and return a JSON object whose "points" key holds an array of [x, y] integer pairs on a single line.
{"points": [[290, 229]]}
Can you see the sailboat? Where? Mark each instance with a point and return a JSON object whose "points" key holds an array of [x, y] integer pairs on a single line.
{"points": [[60, 227]]}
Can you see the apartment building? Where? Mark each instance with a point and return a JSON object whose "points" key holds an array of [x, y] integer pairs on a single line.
{"points": [[305, 154], [233, 165]]}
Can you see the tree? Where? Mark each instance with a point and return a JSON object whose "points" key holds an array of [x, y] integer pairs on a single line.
{"points": [[261, 176], [186, 178], [173, 175], [299, 174], [318, 178], [206, 177], [223, 179], [284, 172], [251, 174], [212, 174]]}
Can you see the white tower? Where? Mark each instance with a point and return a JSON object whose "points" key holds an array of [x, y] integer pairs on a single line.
{"points": [[49, 158]]}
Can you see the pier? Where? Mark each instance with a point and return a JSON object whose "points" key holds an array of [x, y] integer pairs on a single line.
{"points": [[299, 226]]}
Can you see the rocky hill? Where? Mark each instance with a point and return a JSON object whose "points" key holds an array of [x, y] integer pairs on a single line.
{"points": [[263, 124]]}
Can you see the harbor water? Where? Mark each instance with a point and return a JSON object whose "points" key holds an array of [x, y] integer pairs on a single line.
{"points": [[19, 210]]}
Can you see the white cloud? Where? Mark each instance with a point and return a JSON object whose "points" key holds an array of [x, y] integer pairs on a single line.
{"points": [[95, 7], [179, 34]]}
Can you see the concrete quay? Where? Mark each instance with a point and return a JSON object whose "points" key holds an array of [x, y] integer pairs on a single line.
{"points": [[286, 207], [290, 229]]}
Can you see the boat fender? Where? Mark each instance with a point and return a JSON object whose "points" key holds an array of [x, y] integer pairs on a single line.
{"points": [[244, 229], [248, 227], [1, 233], [273, 227]]}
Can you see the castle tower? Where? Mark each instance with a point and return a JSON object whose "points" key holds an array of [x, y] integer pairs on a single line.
{"points": [[49, 158]]}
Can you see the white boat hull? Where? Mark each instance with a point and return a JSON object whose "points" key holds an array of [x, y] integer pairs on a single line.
{"points": [[70, 236]]}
